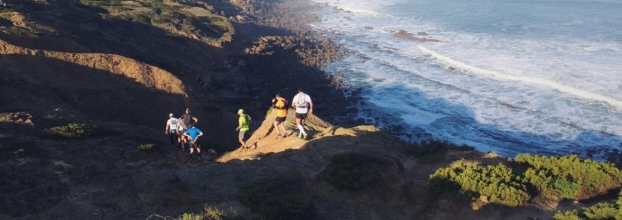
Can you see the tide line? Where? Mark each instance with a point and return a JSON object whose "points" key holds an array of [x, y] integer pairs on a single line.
{"points": [[533, 80]]}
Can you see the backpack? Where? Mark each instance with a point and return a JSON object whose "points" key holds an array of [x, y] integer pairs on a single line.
{"points": [[302, 101], [248, 119], [284, 107]]}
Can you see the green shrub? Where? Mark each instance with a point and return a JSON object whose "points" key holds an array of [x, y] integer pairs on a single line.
{"points": [[277, 198], [146, 146], [566, 188], [101, 2], [496, 182], [570, 176], [569, 215], [351, 171], [76, 130], [561, 176], [434, 150], [601, 210]]}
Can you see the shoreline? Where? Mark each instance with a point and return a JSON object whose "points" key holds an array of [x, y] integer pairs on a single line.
{"points": [[280, 52], [348, 113]]}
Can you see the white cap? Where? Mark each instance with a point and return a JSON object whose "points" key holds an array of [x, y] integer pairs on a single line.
{"points": [[170, 114]]}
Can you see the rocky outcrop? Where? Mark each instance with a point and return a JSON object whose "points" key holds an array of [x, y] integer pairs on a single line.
{"points": [[421, 36]]}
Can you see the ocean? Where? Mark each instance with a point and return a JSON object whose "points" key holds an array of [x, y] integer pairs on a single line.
{"points": [[510, 76]]}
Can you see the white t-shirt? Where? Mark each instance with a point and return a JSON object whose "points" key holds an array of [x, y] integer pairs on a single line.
{"points": [[172, 123], [302, 109]]}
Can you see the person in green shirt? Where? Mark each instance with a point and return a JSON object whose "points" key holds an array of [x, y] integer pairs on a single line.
{"points": [[243, 122]]}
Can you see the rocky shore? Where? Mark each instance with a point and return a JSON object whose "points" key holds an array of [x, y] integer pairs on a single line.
{"points": [[275, 51]]}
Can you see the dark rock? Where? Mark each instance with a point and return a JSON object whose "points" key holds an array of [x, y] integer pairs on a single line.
{"points": [[360, 120], [402, 34]]}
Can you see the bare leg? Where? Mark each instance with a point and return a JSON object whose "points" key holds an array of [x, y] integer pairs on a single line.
{"points": [[284, 131], [276, 125], [242, 142]]}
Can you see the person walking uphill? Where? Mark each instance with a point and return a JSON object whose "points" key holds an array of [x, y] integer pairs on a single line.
{"points": [[243, 122], [172, 129], [186, 121], [281, 106], [193, 135], [302, 103]]}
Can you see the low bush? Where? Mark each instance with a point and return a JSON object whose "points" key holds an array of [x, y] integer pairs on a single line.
{"points": [[562, 176], [351, 171], [77, 130], [433, 151], [146, 146], [469, 182], [209, 213], [603, 210], [101, 2], [570, 176], [277, 198]]}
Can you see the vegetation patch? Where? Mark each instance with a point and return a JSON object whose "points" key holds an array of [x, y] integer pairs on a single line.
{"points": [[603, 210], [5, 10], [569, 176], [351, 171], [101, 2], [277, 198], [182, 20], [469, 182], [209, 213], [565, 177], [146, 146], [428, 152], [77, 130]]}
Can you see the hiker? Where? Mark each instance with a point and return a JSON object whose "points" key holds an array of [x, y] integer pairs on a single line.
{"points": [[302, 103], [243, 122], [192, 134], [186, 121], [171, 129], [280, 104]]}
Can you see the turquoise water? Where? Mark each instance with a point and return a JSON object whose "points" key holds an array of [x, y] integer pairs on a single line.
{"points": [[508, 76]]}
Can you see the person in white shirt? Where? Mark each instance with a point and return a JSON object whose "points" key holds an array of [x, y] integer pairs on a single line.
{"points": [[302, 103], [172, 128]]}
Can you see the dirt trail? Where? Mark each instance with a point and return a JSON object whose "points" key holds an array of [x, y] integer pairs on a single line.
{"points": [[264, 139]]}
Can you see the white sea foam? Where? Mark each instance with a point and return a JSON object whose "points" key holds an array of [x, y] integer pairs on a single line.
{"points": [[512, 90], [532, 80]]}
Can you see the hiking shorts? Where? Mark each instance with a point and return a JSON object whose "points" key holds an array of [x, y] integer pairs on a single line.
{"points": [[194, 144], [241, 134], [280, 119], [302, 116]]}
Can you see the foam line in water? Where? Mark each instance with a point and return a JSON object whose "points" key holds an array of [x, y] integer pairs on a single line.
{"points": [[533, 80], [360, 11]]}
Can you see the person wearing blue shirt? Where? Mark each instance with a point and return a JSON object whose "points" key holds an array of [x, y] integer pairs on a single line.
{"points": [[193, 134]]}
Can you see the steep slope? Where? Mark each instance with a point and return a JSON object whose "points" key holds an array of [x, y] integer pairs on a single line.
{"points": [[97, 87]]}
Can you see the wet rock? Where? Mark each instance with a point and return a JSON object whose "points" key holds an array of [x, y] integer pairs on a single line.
{"points": [[402, 34]]}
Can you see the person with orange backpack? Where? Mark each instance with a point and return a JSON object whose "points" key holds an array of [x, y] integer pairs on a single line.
{"points": [[281, 106]]}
